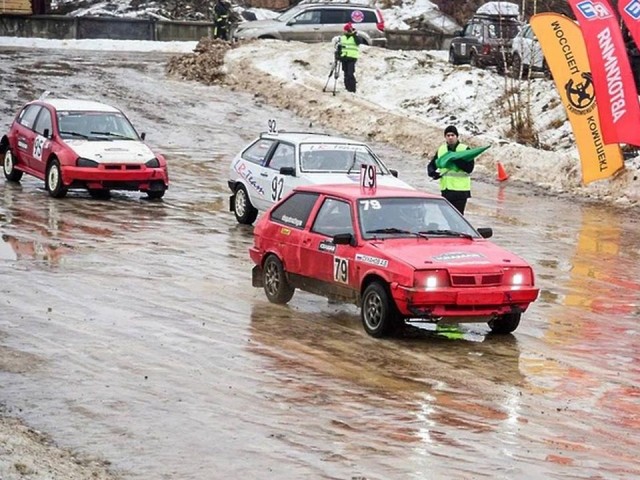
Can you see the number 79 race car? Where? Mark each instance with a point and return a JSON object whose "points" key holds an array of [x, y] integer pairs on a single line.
{"points": [[399, 254], [275, 163]]}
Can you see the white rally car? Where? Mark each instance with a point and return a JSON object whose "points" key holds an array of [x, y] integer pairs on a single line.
{"points": [[275, 163]]}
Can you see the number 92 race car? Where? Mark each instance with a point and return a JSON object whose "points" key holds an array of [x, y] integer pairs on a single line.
{"points": [[275, 163]]}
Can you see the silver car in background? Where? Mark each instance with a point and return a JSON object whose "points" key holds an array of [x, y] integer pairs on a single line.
{"points": [[318, 22], [526, 54]]}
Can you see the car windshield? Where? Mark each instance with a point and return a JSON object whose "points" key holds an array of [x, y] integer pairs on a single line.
{"points": [[411, 216], [288, 15], [95, 126], [337, 158]]}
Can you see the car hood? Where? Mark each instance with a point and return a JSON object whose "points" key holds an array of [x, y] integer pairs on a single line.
{"points": [[120, 151], [341, 178], [452, 253]]}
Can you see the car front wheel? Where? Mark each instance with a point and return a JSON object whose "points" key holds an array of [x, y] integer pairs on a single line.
{"points": [[276, 285], [473, 60], [155, 194], [53, 180], [378, 313], [244, 211], [453, 59], [11, 173], [506, 323]]}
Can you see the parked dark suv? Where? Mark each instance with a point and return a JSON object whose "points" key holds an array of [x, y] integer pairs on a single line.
{"points": [[485, 41]]}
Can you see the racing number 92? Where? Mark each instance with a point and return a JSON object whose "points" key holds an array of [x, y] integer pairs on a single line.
{"points": [[277, 185], [340, 270]]}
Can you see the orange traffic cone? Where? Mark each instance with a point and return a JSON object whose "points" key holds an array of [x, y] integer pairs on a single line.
{"points": [[502, 174]]}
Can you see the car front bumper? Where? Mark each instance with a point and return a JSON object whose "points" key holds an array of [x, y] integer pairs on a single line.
{"points": [[458, 303], [98, 177]]}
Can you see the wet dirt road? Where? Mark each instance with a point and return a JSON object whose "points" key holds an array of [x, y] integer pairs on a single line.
{"points": [[129, 329]]}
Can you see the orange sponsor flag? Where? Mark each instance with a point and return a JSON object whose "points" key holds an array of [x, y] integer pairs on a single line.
{"points": [[566, 55]]}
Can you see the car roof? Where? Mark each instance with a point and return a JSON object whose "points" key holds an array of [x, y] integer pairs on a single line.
{"points": [[309, 137], [354, 6], [353, 191], [78, 105]]}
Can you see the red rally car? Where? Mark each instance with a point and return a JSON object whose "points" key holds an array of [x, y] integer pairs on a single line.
{"points": [[399, 254], [81, 144]]}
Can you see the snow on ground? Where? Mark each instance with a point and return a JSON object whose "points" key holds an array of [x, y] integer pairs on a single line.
{"points": [[407, 98]]}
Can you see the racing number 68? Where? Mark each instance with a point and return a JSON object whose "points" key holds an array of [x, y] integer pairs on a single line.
{"points": [[277, 185], [340, 270]]}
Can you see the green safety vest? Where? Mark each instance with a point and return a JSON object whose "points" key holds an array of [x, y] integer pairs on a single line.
{"points": [[453, 178], [349, 47]]}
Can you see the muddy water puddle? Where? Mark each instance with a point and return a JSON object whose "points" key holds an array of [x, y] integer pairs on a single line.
{"points": [[130, 330]]}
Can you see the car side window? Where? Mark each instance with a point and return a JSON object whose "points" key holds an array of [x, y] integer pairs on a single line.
{"points": [[369, 17], [43, 122], [310, 17], [334, 15], [283, 156], [257, 152], [28, 116], [334, 217], [295, 210]]}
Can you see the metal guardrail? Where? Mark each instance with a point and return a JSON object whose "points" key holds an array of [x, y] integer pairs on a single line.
{"points": [[67, 28]]}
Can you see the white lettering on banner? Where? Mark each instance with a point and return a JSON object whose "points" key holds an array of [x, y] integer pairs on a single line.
{"points": [[614, 76], [597, 142]]}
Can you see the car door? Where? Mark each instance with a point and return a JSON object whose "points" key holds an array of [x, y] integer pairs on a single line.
{"points": [[43, 129], [331, 264], [304, 27], [249, 169], [275, 183], [290, 219], [25, 135]]}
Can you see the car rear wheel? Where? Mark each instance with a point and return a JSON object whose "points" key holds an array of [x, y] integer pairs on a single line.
{"points": [[276, 285], [506, 323], [100, 193], [379, 314], [53, 180], [11, 173], [244, 211]]}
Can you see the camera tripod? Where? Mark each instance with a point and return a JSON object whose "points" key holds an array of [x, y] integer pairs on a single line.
{"points": [[335, 72]]}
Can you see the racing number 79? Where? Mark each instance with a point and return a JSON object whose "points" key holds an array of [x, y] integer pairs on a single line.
{"points": [[340, 270], [277, 185]]}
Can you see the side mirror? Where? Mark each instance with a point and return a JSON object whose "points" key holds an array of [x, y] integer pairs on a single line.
{"points": [[458, 33], [344, 239], [291, 171], [143, 135], [394, 172], [485, 232], [46, 133]]}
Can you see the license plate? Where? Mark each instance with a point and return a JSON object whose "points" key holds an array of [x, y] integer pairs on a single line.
{"points": [[474, 298]]}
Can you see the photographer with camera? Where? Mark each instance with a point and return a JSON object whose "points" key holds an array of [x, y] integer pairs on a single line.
{"points": [[348, 51]]}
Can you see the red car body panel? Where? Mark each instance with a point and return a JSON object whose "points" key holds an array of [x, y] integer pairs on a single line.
{"points": [[126, 175], [477, 271]]}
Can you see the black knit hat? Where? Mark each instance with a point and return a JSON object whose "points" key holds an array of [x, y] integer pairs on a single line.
{"points": [[451, 129]]}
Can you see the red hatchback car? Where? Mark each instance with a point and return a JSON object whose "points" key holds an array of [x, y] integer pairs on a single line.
{"points": [[399, 254], [81, 144]]}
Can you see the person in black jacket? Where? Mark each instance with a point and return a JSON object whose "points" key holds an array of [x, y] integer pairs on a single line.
{"points": [[221, 12], [455, 179]]}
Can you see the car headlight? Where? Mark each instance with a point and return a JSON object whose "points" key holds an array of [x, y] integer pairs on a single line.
{"points": [[518, 277], [431, 279], [85, 162], [153, 163]]}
